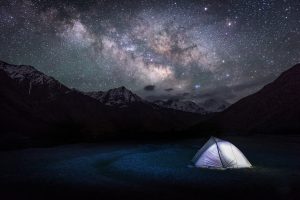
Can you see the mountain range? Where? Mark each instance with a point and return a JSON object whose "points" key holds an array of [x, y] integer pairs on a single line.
{"points": [[34, 105], [206, 107], [37, 107]]}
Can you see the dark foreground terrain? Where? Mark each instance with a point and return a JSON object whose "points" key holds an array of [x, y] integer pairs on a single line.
{"points": [[148, 171]]}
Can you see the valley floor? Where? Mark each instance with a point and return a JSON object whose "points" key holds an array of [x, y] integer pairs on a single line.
{"points": [[150, 171]]}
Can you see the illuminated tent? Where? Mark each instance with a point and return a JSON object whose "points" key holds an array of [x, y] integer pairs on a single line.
{"points": [[217, 153]]}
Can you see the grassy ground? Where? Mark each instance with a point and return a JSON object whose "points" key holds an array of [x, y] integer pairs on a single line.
{"points": [[148, 171]]}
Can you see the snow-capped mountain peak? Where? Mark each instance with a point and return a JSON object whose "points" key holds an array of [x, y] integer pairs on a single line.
{"points": [[34, 81], [208, 106], [186, 106], [26, 72], [116, 97]]}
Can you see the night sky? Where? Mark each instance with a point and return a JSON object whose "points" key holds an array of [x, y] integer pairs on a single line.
{"points": [[157, 48]]}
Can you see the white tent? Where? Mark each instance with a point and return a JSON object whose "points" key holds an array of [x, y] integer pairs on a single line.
{"points": [[217, 153]]}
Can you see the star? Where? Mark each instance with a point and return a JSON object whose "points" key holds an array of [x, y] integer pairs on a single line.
{"points": [[100, 45], [197, 86]]}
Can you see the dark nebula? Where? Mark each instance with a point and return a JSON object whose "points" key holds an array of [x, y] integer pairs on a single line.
{"points": [[227, 49]]}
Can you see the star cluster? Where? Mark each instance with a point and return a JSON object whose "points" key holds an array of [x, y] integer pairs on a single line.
{"points": [[184, 49]]}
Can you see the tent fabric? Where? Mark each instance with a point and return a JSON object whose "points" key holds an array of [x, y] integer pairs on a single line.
{"points": [[217, 153]]}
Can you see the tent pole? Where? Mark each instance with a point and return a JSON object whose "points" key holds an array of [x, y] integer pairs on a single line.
{"points": [[219, 152]]}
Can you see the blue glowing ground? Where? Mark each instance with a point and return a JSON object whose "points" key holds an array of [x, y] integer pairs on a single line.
{"points": [[148, 169]]}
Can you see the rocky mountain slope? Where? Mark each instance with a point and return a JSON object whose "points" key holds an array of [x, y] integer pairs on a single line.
{"points": [[34, 105], [275, 109], [214, 105]]}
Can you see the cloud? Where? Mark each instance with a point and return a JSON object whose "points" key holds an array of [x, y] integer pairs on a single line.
{"points": [[169, 89], [149, 87]]}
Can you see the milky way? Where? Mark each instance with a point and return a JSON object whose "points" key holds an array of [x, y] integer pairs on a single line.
{"points": [[159, 49]]}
